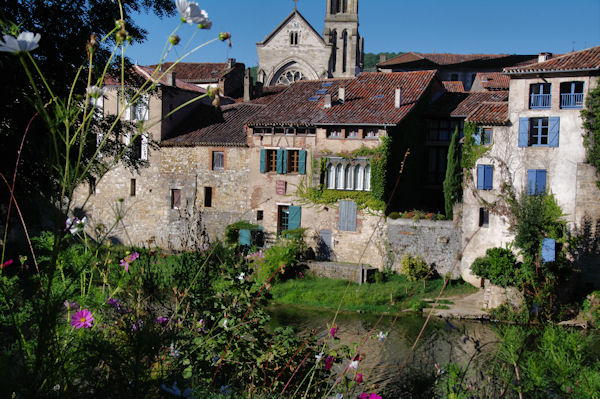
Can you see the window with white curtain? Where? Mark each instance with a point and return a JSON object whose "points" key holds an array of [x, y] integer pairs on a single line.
{"points": [[351, 174]]}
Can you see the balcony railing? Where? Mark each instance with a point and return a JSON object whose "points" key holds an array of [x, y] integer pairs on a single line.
{"points": [[571, 100], [539, 100]]}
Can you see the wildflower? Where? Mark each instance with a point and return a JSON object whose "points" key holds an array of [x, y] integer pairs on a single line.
{"points": [[113, 302], [381, 336], [329, 362], [333, 331], [173, 352], [339, 396], [95, 93], [26, 41], [7, 263], [354, 365], [82, 319], [162, 320], [359, 378], [74, 225], [200, 326], [365, 395], [319, 356], [137, 325], [225, 324], [71, 305], [128, 259], [241, 276], [56, 388], [174, 40], [192, 14]]}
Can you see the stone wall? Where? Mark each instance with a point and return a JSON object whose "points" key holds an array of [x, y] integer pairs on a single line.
{"points": [[438, 242], [341, 271]]}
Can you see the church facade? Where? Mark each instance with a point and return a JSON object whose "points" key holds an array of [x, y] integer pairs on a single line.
{"points": [[296, 51]]}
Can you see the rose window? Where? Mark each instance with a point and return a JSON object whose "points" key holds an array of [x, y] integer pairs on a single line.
{"points": [[289, 77]]}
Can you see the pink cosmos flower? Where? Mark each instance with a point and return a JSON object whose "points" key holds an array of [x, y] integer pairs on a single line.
{"points": [[328, 362], [333, 331], [7, 263], [128, 259], [359, 378], [365, 395], [82, 319]]}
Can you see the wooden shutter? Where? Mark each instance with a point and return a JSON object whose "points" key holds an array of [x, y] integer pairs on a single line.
{"points": [[302, 163], [279, 164], [523, 132], [347, 216], [263, 160], [488, 177], [480, 176], [540, 181], [294, 217], [548, 250], [553, 131], [284, 165], [245, 237], [531, 176], [144, 152]]}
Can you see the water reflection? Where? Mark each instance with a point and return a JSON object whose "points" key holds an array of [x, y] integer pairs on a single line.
{"points": [[391, 365]]}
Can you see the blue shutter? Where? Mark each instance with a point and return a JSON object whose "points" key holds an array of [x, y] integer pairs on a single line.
{"points": [[245, 236], [531, 178], [280, 161], [284, 166], [263, 160], [347, 216], [548, 250], [480, 176], [489, 173], [553, 130], [540, 181], [302, 163], [295, 217], [477, 136], [523, 132]]}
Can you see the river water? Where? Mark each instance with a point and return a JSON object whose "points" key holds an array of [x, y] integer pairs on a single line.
{"points": [[391, 366]]}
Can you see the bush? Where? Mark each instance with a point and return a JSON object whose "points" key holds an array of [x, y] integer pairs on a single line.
{"points": [[232, 232], [499, 265], [414, 267], [395, 215], [284, 255], [591, 309]]}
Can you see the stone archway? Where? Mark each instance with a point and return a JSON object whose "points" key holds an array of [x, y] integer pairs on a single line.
{"points": [[292, 71]]}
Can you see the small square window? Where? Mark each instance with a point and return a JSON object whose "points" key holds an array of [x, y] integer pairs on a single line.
{"points": [[175, 198], [218, 160], [259, 215], [484, 217], [208, 197]]}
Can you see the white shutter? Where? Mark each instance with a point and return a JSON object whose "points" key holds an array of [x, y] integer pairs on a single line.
{"points": [[144, 156]]}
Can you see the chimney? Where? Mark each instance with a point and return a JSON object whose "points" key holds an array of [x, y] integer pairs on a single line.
{"points": [[398, 100], [171, 80], [382, 58], [247, 86], [328, 101], [543, 57], [230, 62], [342, 94]]}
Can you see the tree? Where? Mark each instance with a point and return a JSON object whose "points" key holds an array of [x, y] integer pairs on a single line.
{"points": [[591, 124], [452, 182]]}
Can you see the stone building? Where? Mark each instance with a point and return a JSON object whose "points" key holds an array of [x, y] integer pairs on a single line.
{"points": [[535, 142], [296, 51]]}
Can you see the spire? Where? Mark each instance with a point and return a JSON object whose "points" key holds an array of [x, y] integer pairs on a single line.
{"points": [[295, 5]]}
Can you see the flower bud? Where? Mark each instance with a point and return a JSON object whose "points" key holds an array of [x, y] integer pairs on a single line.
{"points": [[122, 35], [174, 40], [224, 36], [120, 24], [91, 45]]}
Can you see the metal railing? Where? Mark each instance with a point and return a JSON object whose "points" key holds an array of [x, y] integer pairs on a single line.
{"points": [[571, 100], [539, 100]]}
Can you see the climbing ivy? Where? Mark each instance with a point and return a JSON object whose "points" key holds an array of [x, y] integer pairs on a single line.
{"points": [[379, 167], [591, 124], [471, 151]]}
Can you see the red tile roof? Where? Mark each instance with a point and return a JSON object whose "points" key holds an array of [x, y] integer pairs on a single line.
{"points": [[490, 113], [454, 86], [452, 59], [369, 99], [197, 72], [212, 126], [146, 73], [584, 60], [461, 105], [493, 80]]}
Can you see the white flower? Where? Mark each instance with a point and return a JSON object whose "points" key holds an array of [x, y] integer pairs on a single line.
{"points": [[95, 95], [241, 276], [318, 357], [354, 365], [381, 336], [74, 225], [26, 41], [225, 324], [339, 396], [56, 387], [192, 14], [173, 352]]}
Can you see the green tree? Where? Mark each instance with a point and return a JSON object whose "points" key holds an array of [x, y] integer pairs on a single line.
{"points": [[453, 180], [591, 124]]}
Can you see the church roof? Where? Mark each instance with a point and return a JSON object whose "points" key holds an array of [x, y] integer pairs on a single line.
{"points": [[369, 99], [285, 22]]}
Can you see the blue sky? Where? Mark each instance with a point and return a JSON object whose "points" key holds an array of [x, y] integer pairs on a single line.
{"points": [[442, 26]]}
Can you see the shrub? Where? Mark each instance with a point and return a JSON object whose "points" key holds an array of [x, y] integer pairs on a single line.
{"points": [[414, 267], [395, 215], [591, 309], [284, 255], [499, 265], [232, 232]]}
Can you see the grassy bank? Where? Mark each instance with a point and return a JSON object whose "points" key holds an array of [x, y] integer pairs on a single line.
{"points": [[387, 296]]}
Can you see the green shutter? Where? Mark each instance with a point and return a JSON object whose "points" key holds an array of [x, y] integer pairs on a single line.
{"points": [[245, 236], [280, 161], [302, 163], [284, 167], [295, 217], [263, 160]]}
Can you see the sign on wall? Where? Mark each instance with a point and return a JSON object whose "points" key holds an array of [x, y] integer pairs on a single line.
{"points": [[280, 186]]}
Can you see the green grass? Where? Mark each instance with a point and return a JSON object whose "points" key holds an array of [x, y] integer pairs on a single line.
{"points": [[374, 298]]}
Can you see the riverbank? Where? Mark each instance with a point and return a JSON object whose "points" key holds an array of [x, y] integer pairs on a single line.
{"points": [[394, 295]]}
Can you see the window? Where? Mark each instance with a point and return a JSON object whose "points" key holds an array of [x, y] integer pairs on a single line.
{"points": [[345, 50], [339, 177], [293, 161], [293, 38], [331, 177], [358, 177], [441, 130], [483, 136], [283, 161], [175, 198], [279, 130], [208, 197], [334, 132], [283, 218], [539, 95], [539, 131], [454, 77], [436, 165], [349, 178], [348, 175], [218, 160], [484, 217], [347, 216], [371, 133], [367, 180], [484, 177], [263, 130], [259, 215], [571, 95], [132, 188], [138, 149], [271, 161], [352, 133], [536, 181]]}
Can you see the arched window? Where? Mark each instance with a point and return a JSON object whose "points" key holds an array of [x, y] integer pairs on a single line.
{"points": [[338, 6], [334, 6], [358, 177], [339, 177], [334, 38], [345, 53], [345, 6], [367, 184], [349, 180], [330, 176]]}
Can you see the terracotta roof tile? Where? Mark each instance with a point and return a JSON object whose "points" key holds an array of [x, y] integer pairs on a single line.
{"points": [[454, 86], [584, 60], [460, 105], [197, 72], [490, 113], [493, 80], [442, 59], [210, 126], [147, 72], [369, 99]]}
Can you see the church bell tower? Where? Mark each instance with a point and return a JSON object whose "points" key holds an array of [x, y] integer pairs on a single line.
{"points": [[341, 32]]}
